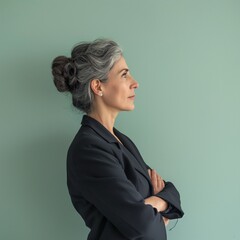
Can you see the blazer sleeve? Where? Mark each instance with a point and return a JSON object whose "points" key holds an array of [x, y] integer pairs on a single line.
{"points": [[96, 174], [172, 196]]}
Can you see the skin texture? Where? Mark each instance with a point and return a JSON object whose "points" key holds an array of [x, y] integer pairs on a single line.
{"points": [[112, 97]]}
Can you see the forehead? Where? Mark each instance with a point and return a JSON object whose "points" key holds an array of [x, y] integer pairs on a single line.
{"points": [[119, 65]]}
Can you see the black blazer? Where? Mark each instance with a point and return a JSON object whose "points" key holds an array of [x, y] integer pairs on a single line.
{"points": [[108, 183]]}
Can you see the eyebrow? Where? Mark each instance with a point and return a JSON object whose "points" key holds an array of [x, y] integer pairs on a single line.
{"points": [[124, 69]]}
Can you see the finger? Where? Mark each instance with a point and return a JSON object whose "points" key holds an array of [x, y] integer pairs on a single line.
{"points": [[163, 183], [154, 175], [160, 182], [149, 172], [154, 179]]}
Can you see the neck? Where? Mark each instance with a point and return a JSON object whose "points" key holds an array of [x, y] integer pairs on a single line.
{"points": [[105, 118]]}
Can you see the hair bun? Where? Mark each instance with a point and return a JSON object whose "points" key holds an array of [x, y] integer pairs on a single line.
{"points": [[64, 74]]}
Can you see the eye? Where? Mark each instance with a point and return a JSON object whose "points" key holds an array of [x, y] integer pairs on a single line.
{"points": [[124, 74]]}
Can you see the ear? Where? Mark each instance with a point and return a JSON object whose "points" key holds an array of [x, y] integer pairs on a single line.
{"points": [[96, 86]]}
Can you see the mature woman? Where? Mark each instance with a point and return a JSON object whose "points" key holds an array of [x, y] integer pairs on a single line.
{"points": [[117, 194]]}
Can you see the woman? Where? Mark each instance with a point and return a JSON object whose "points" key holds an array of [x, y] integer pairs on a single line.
{"points": [[111, 187]]}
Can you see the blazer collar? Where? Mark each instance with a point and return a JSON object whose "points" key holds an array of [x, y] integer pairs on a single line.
{"points": [[99, 128]]}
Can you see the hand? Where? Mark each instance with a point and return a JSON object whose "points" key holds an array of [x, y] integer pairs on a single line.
{"points": [[157, 182], [156, 202], [159, 204]]}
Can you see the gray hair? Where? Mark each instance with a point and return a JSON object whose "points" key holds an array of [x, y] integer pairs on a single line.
{"points": [[89, 60]]}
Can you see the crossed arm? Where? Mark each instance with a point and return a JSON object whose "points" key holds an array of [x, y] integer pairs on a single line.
{"points": [[158, 186]]}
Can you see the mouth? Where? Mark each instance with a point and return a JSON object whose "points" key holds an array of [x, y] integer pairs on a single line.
{"points": [[132, 97]]}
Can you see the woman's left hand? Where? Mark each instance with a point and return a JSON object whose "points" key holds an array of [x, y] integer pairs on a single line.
{"points": [[157, 182]]}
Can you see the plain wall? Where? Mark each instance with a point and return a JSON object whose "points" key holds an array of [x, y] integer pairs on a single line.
{"points": [[186, 122]]}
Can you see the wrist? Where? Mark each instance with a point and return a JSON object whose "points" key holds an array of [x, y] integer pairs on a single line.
{"points": [[163, 205], [157, 203]]}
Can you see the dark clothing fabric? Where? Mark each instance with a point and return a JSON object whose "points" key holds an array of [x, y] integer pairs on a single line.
{"points": [[108, 182]]}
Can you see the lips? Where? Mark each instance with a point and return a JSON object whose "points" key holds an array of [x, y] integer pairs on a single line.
{"points": [[132, 96]]}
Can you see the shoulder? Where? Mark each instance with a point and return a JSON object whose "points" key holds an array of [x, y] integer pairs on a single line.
{"points": [[87, 138], [89, 147], [91, 155]]}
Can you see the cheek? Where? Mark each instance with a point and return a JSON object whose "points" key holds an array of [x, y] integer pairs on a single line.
{"points": [[115, 92]]}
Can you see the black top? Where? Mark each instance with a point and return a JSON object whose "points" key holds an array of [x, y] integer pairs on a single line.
{"points": [[108, 182]]}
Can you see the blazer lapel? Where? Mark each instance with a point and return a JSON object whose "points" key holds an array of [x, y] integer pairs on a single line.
{"points": [[134, 153], [128, 144]]}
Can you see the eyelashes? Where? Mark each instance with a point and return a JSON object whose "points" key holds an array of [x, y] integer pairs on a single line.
{"points": [[124, 74]]}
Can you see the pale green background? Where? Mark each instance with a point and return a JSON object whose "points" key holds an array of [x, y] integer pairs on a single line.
{"points": [[186, 58]]}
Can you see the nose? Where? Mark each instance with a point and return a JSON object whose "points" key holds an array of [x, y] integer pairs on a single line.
{"points": [[134, 83]]}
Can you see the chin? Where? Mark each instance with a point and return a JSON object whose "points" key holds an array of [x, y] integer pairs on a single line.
{"points": [[130, 108]]}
